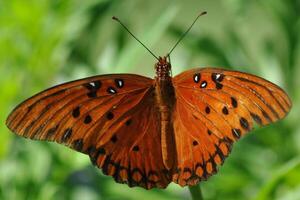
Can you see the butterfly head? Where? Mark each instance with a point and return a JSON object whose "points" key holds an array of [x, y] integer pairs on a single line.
{"points": [[163, 68]]}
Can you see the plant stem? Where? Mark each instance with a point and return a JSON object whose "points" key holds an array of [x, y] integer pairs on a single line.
{"points": [[196, 192]]}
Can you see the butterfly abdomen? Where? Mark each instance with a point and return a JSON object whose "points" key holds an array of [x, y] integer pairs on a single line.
{"points": [[165, 99]]}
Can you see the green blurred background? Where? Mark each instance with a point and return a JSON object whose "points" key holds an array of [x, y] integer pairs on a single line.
{"points": [[46, 42]]}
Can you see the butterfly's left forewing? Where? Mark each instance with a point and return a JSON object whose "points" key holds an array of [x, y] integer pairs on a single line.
{"points": [[110, 117], [214, 108]]}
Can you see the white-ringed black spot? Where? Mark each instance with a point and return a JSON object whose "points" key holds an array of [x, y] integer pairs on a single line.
{"points": [[197, 77], [225, 111], [94, 85], [217, 77], [244, 123], [87, 119], [109, 115], [135, 148], [234, 103], [207, 110], [203, 84], [119, 83], [67, 134], [76, 112], [195, 143], [111, 90]]}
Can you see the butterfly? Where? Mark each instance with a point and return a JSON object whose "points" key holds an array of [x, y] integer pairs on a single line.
{"points": [[151, 132]]}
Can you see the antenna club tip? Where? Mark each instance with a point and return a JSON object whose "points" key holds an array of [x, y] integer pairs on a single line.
{"points": [[203, 13], [115, 18]]}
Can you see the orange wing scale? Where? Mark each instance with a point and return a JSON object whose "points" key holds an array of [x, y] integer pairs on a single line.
{"points": [[214, 108]]}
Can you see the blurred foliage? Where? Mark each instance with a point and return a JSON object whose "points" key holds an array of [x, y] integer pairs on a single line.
{"points": [[45, 42]]}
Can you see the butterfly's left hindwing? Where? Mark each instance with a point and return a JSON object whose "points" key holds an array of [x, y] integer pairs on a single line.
{"points": [[214, 108], [110, 117]]}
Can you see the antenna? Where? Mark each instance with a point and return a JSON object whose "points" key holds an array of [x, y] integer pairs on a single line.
{"points": [[117, 19], [184, 34]]}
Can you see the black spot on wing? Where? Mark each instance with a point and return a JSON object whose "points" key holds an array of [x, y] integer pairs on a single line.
{"points": [[197, 77], [111, 90], [207, 110], [236, 133], [67, 135], [217, 78], [234, 102], [109, 115], [256, 118], [87, 119], [225, 111], [76, 112], [135, 148], [244, 123], [203, 84], [78, 144], [119, 82]]}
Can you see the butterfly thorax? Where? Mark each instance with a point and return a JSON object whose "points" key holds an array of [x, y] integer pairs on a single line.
{"points": [[165, 101], [163, 68]]}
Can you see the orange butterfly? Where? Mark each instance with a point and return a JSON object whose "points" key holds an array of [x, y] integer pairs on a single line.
{"points": [[150, 132]]}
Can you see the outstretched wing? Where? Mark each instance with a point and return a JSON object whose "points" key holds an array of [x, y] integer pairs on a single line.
{"points": [[214, 108], [110, 117]]}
